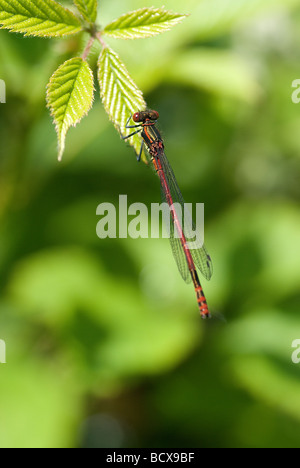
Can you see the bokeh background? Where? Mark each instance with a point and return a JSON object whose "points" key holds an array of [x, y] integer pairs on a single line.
{"points": [[104, 344]]}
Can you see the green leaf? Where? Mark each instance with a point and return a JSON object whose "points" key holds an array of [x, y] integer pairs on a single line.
{"points": [[70, 95], [141, 23], [120, 95], [45, 18], [88, 9]]}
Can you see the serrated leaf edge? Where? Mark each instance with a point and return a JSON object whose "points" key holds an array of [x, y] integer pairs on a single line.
{"points": [[50, 26], [62, 129], [143, 30]]}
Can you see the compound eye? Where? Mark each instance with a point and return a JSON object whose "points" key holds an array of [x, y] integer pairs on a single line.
{"points": [[154, 115], [136, 117]]}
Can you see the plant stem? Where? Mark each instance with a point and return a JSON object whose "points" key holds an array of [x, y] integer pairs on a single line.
{"points": [[88, 48], [99, 37]]}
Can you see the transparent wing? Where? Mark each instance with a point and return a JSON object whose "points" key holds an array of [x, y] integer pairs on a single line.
{"points": [[200, 255], [176, 246]]}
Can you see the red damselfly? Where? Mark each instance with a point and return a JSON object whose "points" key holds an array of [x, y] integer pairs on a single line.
{"points": [[187, 259]]}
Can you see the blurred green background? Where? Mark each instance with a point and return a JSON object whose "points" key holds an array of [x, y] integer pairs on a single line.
{"points": [[105, 347]]}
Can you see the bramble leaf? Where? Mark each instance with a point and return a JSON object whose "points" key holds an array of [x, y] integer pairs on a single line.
{"points": [[70, 94], [120, 95], [45, 18], [88, 9], [142, 23]]}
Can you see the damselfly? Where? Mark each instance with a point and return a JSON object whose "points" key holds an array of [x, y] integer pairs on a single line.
{"points": [[187, 259]]}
